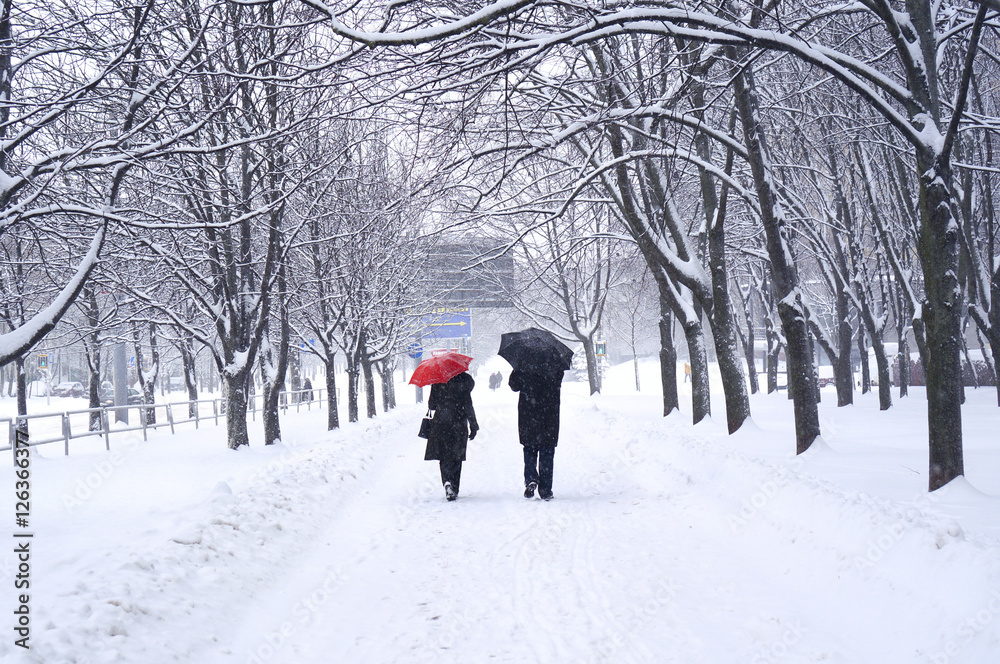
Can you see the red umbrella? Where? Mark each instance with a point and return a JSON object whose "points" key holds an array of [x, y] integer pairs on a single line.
{"points": [[439, 369]]}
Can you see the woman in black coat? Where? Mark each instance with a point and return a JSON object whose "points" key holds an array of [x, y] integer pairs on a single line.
{"points": [[453, 426], [537, 427]]}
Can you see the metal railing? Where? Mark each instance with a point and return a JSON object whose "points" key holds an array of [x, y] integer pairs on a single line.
{"points": [[76, 424]]}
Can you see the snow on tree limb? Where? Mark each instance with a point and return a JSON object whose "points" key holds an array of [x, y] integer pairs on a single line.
{"points": [[476, 20], [19, 341]]}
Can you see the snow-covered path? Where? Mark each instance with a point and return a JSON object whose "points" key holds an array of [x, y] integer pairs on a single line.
{"points": [[665, 543], [658, 548]]}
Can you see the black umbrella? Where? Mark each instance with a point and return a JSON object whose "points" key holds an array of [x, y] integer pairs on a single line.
{"points": [[535, 351]]}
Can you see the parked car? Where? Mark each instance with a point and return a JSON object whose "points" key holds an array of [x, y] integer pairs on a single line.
{"points": [[68, 389], [825, 375], [107, 397]]}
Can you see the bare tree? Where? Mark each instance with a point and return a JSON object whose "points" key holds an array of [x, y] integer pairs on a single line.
{"points": [[903, 79], [218, 227], [90, 73]]}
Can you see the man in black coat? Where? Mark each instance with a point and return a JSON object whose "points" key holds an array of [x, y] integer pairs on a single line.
{"points": [[453, 426], [537, 426]]}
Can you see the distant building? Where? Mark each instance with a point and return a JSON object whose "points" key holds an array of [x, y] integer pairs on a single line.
{"points": [[468, 281], [470, 274]]}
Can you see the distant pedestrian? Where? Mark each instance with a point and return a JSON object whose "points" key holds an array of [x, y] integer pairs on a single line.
{"points": [[307, 390], [452, 427], [687, 372], [538, 426]]}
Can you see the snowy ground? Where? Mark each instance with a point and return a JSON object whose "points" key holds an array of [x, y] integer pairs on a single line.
{"points": [[665, 543]]}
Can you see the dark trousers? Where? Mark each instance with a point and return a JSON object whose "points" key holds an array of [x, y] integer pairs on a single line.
{"points": [[451, 471], [538, 463]]}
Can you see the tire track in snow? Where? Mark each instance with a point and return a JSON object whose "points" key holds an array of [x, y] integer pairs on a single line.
{"points": [[388, 600]]}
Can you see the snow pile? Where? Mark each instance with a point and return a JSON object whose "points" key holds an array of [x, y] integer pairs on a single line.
{"points": [[151, 544]]}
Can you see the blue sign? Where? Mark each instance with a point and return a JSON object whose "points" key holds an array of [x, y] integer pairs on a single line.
{"points": [[451, 323], [415, 351]]}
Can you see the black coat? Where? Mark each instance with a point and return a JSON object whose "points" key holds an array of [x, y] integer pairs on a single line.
{"points": [[454, 418], [537, 407]]}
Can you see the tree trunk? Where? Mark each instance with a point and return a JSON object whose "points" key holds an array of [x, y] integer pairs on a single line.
{"points": [[994, 316], [866, 378], [995, 351], [92, 354], [293, 365], [668, 359], [332, 414], [353, 372], [791, 309], [843, 373], [366, 370], [801, 374], [270, 410], [593, 371], [274, 362], [94, 387], [723, 323], [721, 317], [942, 311], [774, 348], [701, 399], [391, 382], [884, 378], [149, 389], [236, 409], [386, 406], [274, 367], [751, 358], [904, 363], [147, 380], [21, 380], [186, 347], [384, 374]]}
